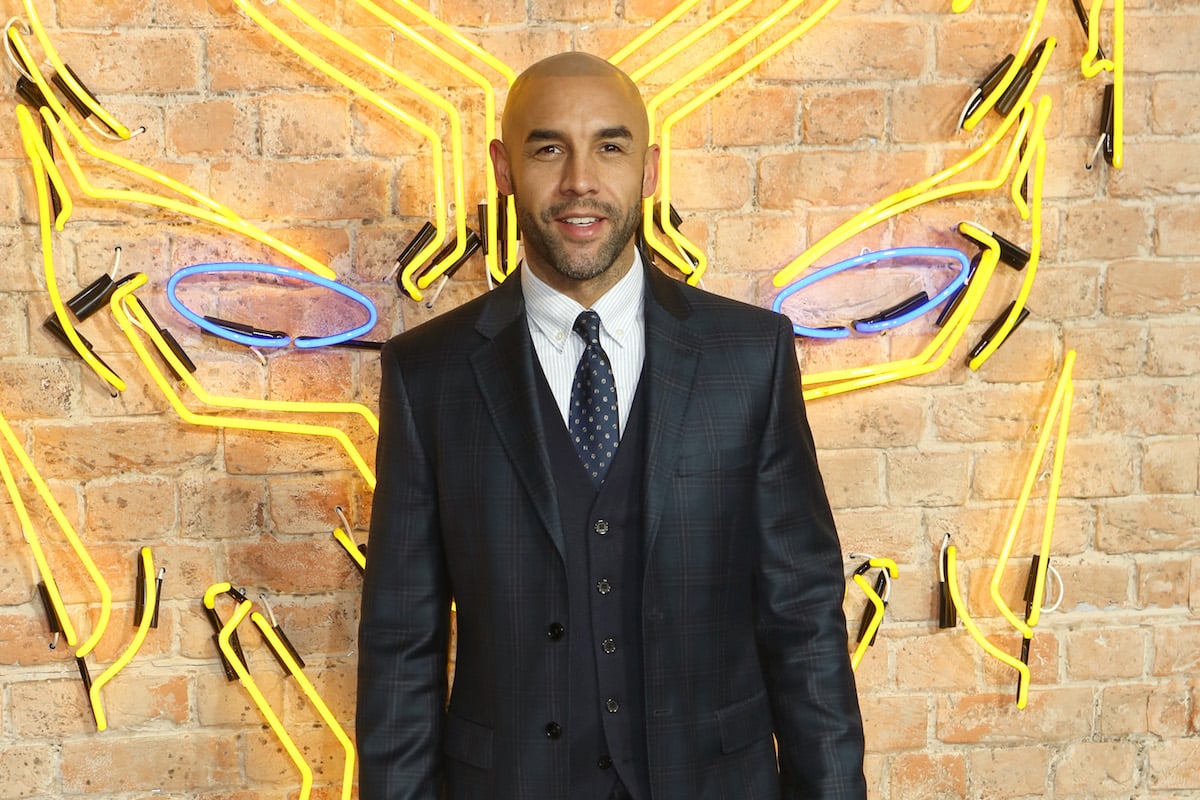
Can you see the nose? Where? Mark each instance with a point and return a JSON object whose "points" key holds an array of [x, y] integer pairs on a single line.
{"points": [[579, 174]]}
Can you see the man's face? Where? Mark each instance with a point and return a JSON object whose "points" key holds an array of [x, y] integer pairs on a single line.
{"points": [[575, 157]]}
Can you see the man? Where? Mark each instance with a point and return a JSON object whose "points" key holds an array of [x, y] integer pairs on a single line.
{"points": [[626, 510]]}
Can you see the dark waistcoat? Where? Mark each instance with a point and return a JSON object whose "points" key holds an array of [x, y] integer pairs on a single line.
{"points": [[605, 723]]}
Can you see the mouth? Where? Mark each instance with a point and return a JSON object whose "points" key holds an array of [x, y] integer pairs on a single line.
{"points": [[579, 226]]}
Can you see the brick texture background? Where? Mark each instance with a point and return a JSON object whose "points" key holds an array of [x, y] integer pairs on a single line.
{"points": [[865, 104]]}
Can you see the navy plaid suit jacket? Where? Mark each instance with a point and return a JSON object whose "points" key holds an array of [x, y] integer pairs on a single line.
{"points": [[743, 630]]}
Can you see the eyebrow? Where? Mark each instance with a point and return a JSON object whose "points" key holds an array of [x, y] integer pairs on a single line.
{"points": [[546, 134]]}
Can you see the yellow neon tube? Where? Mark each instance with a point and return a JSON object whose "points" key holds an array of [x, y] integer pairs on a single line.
{"points": [[1019, 59], [924, 191], [150, 589], [973, 629], [877, 602], [456, 152], [388, 108], [499, 272], [1057, 406], [693, 36], [665, 171], [935, 354], [1037, 147], [243, 609], [40, 160], [680, 241], [35, 544], [1060, 451], [64, 73], [1091, 66], [69, 532], [212, 212], [654, 30], [350, 547], [313, 696], [122, 297]]}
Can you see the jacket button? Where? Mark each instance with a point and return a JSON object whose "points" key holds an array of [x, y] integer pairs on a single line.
{"points": [[603, 586], [553, 730], [604, 762], [601, 526], [555, 631], [609, 645], [612, 705]]}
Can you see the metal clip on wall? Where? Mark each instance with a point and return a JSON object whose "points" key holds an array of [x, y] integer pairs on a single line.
{"points": [[1104, 142], [283, 639], [51, 615], [947, 615], [985, 88]]}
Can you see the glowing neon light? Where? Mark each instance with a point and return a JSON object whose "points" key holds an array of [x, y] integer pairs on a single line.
{"points": [[209, 210], [284, 654], [149, 589], [68, 77], [1060, 408], [976, 634], [389, 108], [243, 610], [305, 342], [1091, 66], [123, 303], [841, 332], [878, 603], [1023, 51], [456, 154]]}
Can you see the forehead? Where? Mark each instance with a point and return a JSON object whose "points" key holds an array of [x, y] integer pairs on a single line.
{"points": [[574, 104]]}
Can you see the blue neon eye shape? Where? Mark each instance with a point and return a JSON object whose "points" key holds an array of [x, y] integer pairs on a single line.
{"points": [[907, 312], [270, 338]]}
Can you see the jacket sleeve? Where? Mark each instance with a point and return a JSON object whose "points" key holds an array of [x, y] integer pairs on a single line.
{"points": [[404, 625], [800, 588]]}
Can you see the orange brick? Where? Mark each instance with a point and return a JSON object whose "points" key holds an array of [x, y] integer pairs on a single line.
{"points": [[131, 510], [183, 760], [1176, 650], [755, 115], [997, 412], [265, 453], [1172, 349], [212, 127], [471, 13], [1131, 406], [1114, 349], [328, 189], [852, 477], [249, 59], [1124, 708], [1106, 654], [1104, 230], [917, 775], [1093, 584], [928, 662], [29, 770], [1096, 767], [862, 419], [1170, 466], [839, 117], [1173, 170], [1053, 715], [888, 533], [923, 478], [224, 703], [708, 181], [39, 388], [1162, 582], [1178, 230], [1174, 765], [305, 125], [1021, 770], [51, 708], [137, 700], [133, 61], [833, 177], [893, 723], [824, 52], [117, 447], [298, 505], [302, 566], [565, 11]]}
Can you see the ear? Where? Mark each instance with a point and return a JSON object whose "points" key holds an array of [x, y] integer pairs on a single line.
{"points": [[650, 172], [500, 166]]}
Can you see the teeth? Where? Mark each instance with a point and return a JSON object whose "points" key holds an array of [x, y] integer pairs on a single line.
{"points": [[580, 220]]}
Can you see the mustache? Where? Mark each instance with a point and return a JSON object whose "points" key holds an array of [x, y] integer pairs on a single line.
{"points": [[558, 209]]}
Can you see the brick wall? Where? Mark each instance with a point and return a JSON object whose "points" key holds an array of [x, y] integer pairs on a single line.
{"points": [[863, 105]]}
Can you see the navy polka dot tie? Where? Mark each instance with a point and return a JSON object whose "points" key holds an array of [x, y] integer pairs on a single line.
{"points": [[594, 423]]}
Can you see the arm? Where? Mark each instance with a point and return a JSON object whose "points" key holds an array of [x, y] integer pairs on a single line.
{"points": [[404, 627], [801, 626]]}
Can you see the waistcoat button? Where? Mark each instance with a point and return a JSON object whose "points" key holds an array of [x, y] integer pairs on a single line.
{"points": [[555, 631], [601, 526], [609, 645], [603, 586], [553, 730], [612, 705]]}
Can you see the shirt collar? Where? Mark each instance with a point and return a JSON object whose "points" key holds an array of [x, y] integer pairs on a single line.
{"points": [[621, 308]]}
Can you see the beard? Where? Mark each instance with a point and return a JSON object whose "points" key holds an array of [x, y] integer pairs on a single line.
{"points": [[537, 233]]}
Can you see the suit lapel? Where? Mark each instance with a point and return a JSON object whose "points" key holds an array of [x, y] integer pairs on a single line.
{"points": [[672, 354], [504, 370]]}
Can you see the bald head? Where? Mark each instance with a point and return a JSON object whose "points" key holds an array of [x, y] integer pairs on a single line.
{"points": [[574, 68]]}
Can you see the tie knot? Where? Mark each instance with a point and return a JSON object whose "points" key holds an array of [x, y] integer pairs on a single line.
{"points": [[587, 325]]}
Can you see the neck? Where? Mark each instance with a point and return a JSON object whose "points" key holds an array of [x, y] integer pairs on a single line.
{"points": [[586, 291]]}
